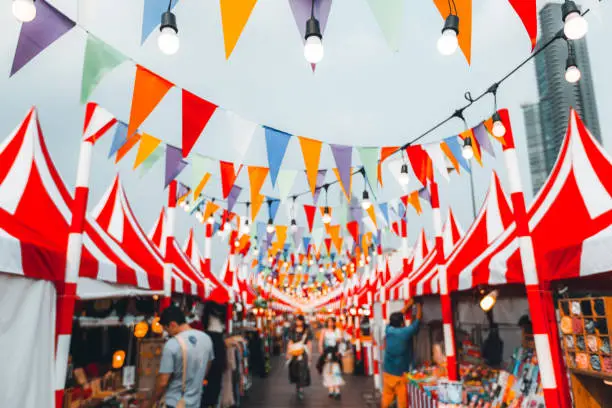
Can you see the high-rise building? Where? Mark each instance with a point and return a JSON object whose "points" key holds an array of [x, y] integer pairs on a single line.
{"points": [[546, 120]]}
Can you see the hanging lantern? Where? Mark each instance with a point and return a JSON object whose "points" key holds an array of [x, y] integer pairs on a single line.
{"points": [[141, 329], [156, 326], [118, 359]]}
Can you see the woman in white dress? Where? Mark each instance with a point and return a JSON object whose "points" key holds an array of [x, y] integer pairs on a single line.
{"points": [[330, 363]]}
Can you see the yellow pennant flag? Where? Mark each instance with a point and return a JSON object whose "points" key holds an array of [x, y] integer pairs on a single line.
{"points": [[413, 199], [127, 146], [281, 234], [147, 145], [372, 214], [201, 185], [256, 205], [234, 16], [311, 150]]}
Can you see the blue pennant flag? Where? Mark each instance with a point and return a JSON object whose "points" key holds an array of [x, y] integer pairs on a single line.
{"points": [[276, 146], [453, 144], [384, 209], [274, 203], [306, 242], [119, 138]]}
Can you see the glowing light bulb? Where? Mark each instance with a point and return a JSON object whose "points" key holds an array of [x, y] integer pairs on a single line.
{"points": [[24, 10], [404, 177], [499, 129], [467, 151], [448, 42], [575, 25], [168, 39], [572, 74]]}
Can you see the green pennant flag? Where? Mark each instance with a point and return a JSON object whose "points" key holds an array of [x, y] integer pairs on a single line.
{"points": [[284, 181], [157, 154], [317, 236], [390, 16], [100, 59], [200, 165], [369, 159], [341, 211]]}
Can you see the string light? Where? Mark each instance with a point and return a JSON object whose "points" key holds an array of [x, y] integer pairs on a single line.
{"points": [[365, 200], [168, 39], [575, 25], [572, 72], [404, 177], [448, 42], [467, 151], [313, 49], [270, 226], [211, 220], [24, 10]]}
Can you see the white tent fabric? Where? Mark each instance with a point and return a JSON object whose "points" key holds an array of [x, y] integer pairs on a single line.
{"points": [[27, 338]]}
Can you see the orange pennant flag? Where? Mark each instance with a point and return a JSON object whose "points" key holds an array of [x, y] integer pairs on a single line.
{"points": [[475, 146], [256, 205], [311, 150], [372, 213], [127, 146], [147, 145], [257, 176], [488, 124], [281, 235], [449, 154], [413, 199], [201, 185], [345, 189], [244, 241], [149, 90], [210, 209], [234, 16], [254, 263], [464, 12], [385, 152], [334, 233]]}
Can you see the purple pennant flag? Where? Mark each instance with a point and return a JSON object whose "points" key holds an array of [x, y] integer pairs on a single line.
{"points": [[38, 34], [182, 190], [174, 163], [233, 196], [320, 180], [424, 194], [343, 155], [297, 237], [482, 137]]}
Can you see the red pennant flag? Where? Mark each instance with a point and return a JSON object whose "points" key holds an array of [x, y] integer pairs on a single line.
{"points": [[395, 228], [310, 211], [328, 243], [421, 163], [353, 228], [385, 152], [528, 13], [196, 114], [228, 176]]}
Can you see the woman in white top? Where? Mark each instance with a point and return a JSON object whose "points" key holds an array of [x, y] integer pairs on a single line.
{"points": [[330, 362]]}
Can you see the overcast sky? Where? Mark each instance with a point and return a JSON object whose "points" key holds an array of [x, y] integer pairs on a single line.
{"points": [[361, 94]]}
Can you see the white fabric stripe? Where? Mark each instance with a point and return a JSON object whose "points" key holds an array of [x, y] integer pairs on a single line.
{"points": [[547, 373], [207, 248], [448, 340], [100, 118], [115, 227], [61, 360], [11, 259], [528, 261], [73, 256], [596, 256], [512, 167], [437, 222], [84, 166], [167, 280], [170, 220]]}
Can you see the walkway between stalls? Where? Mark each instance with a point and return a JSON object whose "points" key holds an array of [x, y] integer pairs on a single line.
{"points": [[276, 392]]}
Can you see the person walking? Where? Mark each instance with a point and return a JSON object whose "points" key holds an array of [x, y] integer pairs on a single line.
{"points": [[330, 362], [398, 358], [186, 359], [299, 354]]}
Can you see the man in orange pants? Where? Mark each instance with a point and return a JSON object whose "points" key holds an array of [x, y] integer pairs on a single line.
{"points": [[398, 356]]}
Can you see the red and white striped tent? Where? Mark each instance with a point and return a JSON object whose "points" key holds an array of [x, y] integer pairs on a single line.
{"points": [[114, 214], [35, 214], [494, 217], [570, 220], [398, 287], [218, 290], [195, 281], [424, 281]]}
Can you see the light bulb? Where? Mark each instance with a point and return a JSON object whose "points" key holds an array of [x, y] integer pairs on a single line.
{"points": [[199, 216], [447, 43], [489, 301], [211, 220], [574, 24], [467, 151], [168, 40], [294, 226], [255, 251], [572, 74], [499, 129], [365, 200], [236, 243], [404, 178], [270, 227], [270, 259], [246, 230], [310, 262], [326, 216], [321, 269], [24, 10]]}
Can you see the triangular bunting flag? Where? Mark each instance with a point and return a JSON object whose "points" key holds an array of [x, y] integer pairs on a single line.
{"points": [[257, 176], [310, 211], [372, 213], [311, 151], [413, 199], [233, 196], [464, 12], [286, 178], [239, 133], [369, 159], [320, 180], [274, 203], [475, 145], [384, 209], [421, 163], [49, 25], [174, 163], [147, 146], [306, 242], [119, 138], [385, 152], [200, 172], [353, 229], [100, 59], [297, 239], [424, 194], [482, 137], [343, 155], [436, 156], [152, 159], [97, 123], [276, 146], [390, 17], [127, 146], [234, 16], [527, 12], [228, 176], [201, 184], [452, 142], [347, 193], [149, 90], [256, 205], [196, 114], [151, 12], [328, 243]]}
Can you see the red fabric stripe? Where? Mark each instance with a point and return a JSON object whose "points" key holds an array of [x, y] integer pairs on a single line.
{"points": [[447, 318], [65, 309], [508, 137], [172, 194], [435, 197]]}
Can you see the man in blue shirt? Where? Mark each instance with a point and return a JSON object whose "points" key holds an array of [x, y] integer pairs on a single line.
{"points": [[398, 356]]}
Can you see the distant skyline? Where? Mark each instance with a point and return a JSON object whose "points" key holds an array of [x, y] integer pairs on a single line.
{"points": [[546, 120], [362, 93]]}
